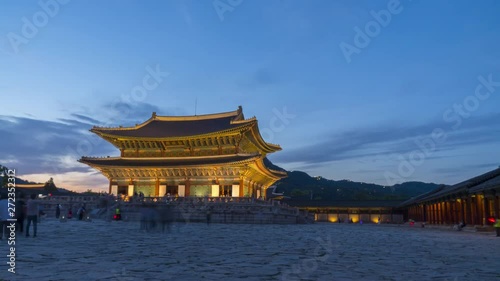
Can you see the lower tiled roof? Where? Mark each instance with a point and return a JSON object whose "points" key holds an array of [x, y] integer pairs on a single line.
{"points": [[167, 161]]}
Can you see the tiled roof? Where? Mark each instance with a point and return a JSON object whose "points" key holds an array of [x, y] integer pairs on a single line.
{"points": [[166, 161], [423, 195], [489, 180], [489, 184], [179, 126]]}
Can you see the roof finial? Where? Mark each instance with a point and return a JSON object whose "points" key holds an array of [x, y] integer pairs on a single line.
{"points": [[154, 114]]}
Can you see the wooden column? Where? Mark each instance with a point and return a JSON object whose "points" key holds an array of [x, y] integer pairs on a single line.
{"points": [[436, 213], [242, 180], [251, 188], [497, 207], [449, 212], [453, 215], [486, 208], [431, 213], [188, 188], [476, 211], [441, 214], [467, 207], [462, 210], [480, 212], [157, 188], [424, 215]]}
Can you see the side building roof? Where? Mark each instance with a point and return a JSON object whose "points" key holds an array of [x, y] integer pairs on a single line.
{"points": [[486, 181]]}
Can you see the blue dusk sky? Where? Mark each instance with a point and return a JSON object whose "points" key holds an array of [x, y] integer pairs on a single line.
{"points": [[373, 91]]}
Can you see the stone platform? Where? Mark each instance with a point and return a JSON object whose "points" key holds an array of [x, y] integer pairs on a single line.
{"points": [[117, 250]]}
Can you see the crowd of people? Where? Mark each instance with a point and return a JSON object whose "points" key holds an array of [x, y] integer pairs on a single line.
{"points": [[22, 211], [27, 213]]}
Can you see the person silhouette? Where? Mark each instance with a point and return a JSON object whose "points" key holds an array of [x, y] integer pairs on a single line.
{"points": [[33, 208], [58, 210]]}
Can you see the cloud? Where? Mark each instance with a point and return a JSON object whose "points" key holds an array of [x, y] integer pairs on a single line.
{"points": [[392, 139], [52, 148], [85, 118], [454, 171], [259, 78], [185, 13], [39, 146], [122, 113]]}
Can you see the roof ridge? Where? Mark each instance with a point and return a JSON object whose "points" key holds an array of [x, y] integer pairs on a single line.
{"points": [[482, 178], [168, 158], [237, 114]]}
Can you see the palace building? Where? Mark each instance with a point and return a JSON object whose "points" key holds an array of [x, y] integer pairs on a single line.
{"points": [[203, 155], [472, 202]]}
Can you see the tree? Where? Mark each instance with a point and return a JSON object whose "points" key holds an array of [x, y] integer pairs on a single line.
{"points": [[50, 186], [5, 178]]}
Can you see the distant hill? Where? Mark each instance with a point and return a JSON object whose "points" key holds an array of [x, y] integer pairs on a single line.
{"points": [[299, 185]]}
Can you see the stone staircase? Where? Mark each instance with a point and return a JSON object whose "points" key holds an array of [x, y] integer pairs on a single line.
{"points": [[240, 213]]}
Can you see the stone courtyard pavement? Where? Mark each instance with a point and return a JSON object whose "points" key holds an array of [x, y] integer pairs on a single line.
{"points": [[99, 250]]}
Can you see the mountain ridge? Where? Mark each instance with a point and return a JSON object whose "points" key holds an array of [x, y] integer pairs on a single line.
{"points": [[300, 185]]}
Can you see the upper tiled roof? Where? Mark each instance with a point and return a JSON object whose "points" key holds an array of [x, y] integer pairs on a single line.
{"points": [[179, 126]]}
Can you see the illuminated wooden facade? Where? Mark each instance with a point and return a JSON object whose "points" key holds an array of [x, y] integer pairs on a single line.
{"points": [[204, 155], [471, 201], [367, 211]]}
